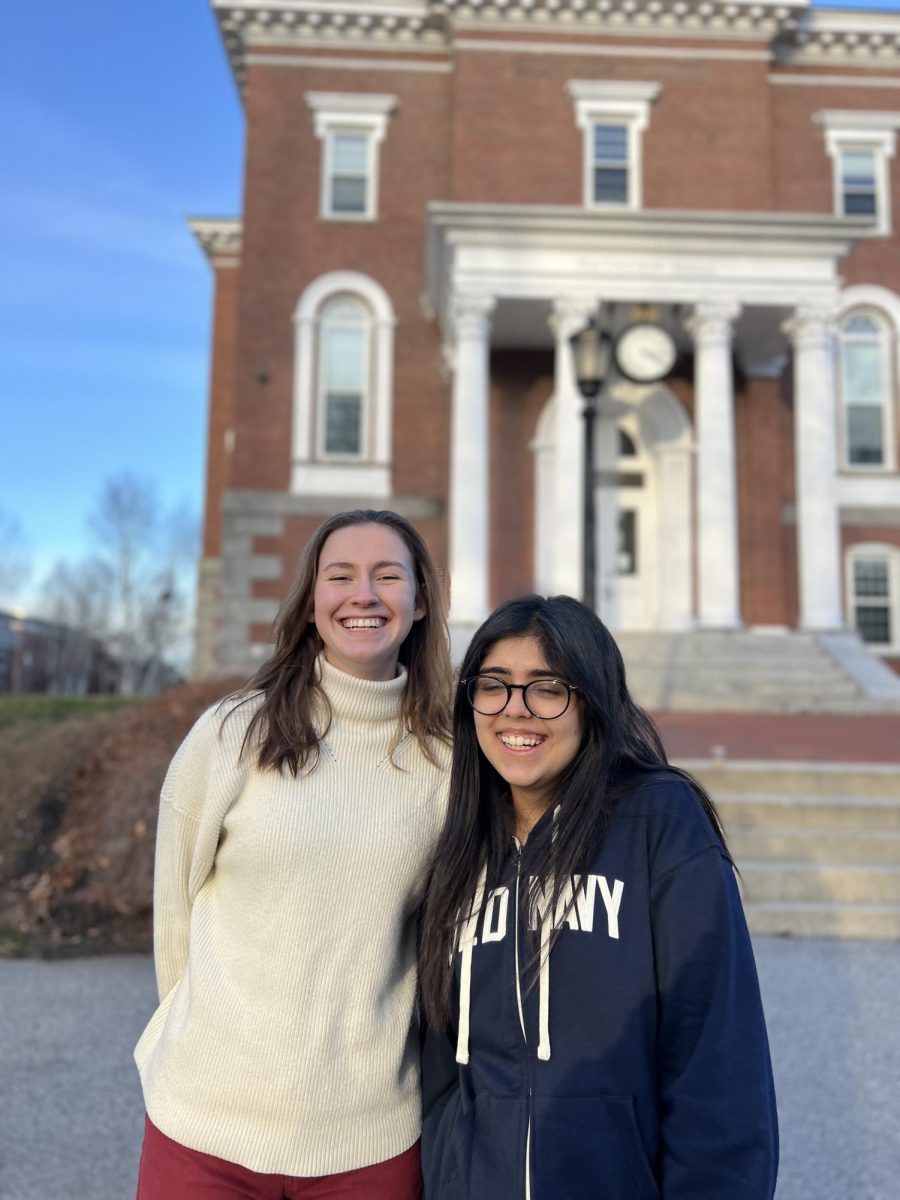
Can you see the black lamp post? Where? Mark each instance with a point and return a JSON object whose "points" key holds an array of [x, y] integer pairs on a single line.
{"points": [[592, 353]]}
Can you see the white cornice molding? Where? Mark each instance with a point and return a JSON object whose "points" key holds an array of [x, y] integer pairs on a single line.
{"points": [[788, 29], [220, 238], [602, 91], [858, 120], [818, 79], [845, 37], [538, 251], [353, 103]]}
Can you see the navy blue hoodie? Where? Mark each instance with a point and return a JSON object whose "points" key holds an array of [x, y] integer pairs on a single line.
{"points": [[637, 1065]]}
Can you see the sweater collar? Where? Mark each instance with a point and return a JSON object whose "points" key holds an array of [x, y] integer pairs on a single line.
{"points": [[368, 700]]}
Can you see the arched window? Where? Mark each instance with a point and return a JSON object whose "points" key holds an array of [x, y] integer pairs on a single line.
{"points": [[867, 390], [343, 387], [873, 589]]}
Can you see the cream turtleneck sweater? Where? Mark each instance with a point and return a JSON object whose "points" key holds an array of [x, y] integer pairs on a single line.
{"points": [[284, 929]]}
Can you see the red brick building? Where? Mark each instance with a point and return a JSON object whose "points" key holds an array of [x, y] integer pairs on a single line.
{"points": [[439, 194]]}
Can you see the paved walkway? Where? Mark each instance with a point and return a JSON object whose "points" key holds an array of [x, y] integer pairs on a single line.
{"points": [[798, 737], [71, 1113]]}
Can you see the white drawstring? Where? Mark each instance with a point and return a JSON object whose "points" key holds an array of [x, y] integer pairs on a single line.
{"points": [[544, 969], [466, 945]]}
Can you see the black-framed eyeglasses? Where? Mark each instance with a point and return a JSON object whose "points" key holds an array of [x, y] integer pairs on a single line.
{"points": [[544, 698]]}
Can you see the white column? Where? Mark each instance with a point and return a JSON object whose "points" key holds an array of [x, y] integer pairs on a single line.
{"points": [[568, 317], [469, 477], [606, 519], [815, 458], [717, 525], [672, 593]]}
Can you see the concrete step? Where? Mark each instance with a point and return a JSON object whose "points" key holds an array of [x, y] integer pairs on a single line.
{"points": [[809, 919], [816, 813], [842, 847], [791, 779], [820, 882]]}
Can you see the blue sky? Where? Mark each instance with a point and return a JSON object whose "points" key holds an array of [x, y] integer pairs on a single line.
{"points": [[120, 118]]}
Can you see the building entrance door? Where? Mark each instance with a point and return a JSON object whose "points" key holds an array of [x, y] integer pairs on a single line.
{"points": [[626, 563]]}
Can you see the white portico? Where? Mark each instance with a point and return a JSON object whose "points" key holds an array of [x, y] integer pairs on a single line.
{"points": [[749, 286]]}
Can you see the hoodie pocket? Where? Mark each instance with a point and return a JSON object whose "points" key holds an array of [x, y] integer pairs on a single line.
{"points": [[588, 1146]]}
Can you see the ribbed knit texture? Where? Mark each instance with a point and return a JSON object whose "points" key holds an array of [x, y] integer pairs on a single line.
{"points": [[285, 941]]}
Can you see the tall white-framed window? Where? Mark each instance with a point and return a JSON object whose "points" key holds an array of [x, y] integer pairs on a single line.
{"points": [[873, 589], [612, 116], [343, 377], [351, 127], [868, 390], [861, 145], [343, 387]]}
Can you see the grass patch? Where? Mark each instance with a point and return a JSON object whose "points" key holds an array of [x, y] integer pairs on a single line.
{"points": [[18, 708]]}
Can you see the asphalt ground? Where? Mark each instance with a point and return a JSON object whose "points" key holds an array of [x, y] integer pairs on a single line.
{"points": [[71, 1111]]}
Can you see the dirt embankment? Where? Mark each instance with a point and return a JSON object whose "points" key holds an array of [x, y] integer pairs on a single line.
{"points": [[78, 804]]}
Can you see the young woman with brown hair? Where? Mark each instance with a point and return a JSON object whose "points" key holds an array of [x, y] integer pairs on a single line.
{"points": [[296, 824]]}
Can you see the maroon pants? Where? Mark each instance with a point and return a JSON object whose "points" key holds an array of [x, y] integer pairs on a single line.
{"points": [[170, 1171]]}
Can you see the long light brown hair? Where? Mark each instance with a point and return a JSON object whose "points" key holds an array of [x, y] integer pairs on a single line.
{"points": [[282, 732]]}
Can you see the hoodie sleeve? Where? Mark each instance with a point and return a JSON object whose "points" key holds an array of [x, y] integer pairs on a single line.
{"points": [[719, 1135]]}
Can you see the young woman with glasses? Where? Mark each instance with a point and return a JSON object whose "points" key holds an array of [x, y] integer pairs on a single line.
{"points": [[296, 826], [595, 1029]]}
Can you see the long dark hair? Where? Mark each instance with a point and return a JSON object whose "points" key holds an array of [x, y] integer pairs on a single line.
{"points": [[282, 732], [620, 746]]}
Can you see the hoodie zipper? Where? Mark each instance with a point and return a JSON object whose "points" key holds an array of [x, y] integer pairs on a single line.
{"points": [[522, 1024]]}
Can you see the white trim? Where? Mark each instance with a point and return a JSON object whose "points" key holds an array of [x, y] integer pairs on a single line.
{"points": [[363, 325], [332, 62], [619, 102], [332, 107], [887, 338], [871, 81], [342, 113], [886, 304], [862, 130], [858, 120], [334, 475], [890, 554], [578, 50]]}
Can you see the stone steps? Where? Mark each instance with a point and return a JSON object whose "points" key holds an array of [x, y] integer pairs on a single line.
{"points": [[846, 846], [817, 845], [798, 881], [870, 921], [743, 671]]}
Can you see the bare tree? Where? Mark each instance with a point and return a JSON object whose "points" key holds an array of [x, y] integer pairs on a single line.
{"points": [[133, 593], [14, 559]]}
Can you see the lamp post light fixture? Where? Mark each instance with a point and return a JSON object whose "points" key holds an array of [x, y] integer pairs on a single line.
{"points": [[592, 357]]}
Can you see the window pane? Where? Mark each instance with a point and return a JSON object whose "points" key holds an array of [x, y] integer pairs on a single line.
{"points": [[862, 373], [343, 424], [874, 625], [860, 323], [611, 143], [343, 359], [627, 560], [610, 185], [864, 441], [345, 308], [348, 195], [627, 448], [349, 154], [870, 577], [858, 168], [859, 204]]}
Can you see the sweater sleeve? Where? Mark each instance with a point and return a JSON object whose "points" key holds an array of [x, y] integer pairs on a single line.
{"points": [[717, 1101], [198, 788]]}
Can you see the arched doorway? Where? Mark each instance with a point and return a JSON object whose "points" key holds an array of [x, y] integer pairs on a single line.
{"points": [[643, 504]]}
